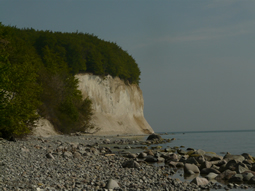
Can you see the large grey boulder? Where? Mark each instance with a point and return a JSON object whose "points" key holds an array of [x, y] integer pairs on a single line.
{"points": [[200, 181], [189, 168], [154, 136]]}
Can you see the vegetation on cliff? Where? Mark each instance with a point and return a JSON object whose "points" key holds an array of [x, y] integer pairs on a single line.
{"points": [[37, 71]]}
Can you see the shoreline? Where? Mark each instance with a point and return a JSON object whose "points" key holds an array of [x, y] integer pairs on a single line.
{"points": [[91, 162]]}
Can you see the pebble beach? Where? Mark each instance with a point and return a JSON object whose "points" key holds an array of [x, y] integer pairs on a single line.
{"points": [[81, 162]]}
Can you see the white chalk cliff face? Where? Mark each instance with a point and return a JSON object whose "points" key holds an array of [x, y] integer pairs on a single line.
{"points": [[118, 108]]}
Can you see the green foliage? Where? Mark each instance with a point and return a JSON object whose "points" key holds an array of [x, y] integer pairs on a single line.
{"points": [[18, 90], [37, 71]]}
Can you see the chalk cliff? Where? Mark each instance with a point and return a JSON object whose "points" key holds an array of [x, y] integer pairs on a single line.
{"points": [[118, 107]]}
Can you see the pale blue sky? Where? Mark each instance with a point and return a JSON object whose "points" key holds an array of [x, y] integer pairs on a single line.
{"points": [[196, 57]]}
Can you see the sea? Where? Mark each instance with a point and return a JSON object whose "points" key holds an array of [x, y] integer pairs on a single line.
{"points": [[235, 142]]}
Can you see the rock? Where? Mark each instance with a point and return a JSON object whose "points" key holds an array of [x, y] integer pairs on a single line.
{"points": [[209, 170], [211, 176], [191, 167], [76, 155], [237, 178], [68, 154], [232, 164], [247, 176], [154, 136], [206, 164], [241, 168], [130, 164], [111, 184], [150, 158], [181, 152], [252, 180], [127, 147], [247, 156], [150, 152], [142, 155], [161, 159], [13, 139], [192, 160], [172, 164], [200, 181], [107, 141], [238, 158], [50, 156], [172, 157], [210, 155], [24, 149], [200, 152], [131, 155], [226, 175]]}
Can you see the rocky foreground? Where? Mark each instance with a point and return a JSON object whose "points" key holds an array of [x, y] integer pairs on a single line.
{"points": [[88, 163]]}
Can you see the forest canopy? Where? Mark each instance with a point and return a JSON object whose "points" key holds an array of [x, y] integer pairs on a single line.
{"points": [[37, 77]]}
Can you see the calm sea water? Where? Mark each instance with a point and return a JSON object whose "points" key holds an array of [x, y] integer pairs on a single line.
{"points": [[220, 142]]}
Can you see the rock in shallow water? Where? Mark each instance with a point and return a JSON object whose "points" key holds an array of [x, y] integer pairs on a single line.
{"points": [[200, 181]]}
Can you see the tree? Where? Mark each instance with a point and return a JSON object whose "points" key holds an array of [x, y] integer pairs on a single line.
{"points": [[18, 91]]}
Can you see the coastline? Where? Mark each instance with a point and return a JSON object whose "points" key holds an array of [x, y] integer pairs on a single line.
{"points": [[86, 162]]}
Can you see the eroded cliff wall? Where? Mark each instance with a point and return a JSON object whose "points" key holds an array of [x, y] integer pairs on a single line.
{"points": [[118, 107]]}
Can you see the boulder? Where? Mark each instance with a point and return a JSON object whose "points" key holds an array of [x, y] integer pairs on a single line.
{"points": [[209, 155], [183, 158], [252, 180], [150, 158], [247, 156], [154, 136], [206, 164], [226, 175], [111, 184], [200, 159], [208, 170], [131, 155], [172, 157], [232, 164], [181, 152], [200, 152], [200, 181], [161, 159], [211, 176], [241, 168], [247, 176], [191, 167], [238, 158], [130, 164], [237, 178], [192, 160], [142, 155]]}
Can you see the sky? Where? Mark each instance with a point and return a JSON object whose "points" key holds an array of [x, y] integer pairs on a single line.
{"points": [[196, 57]]}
